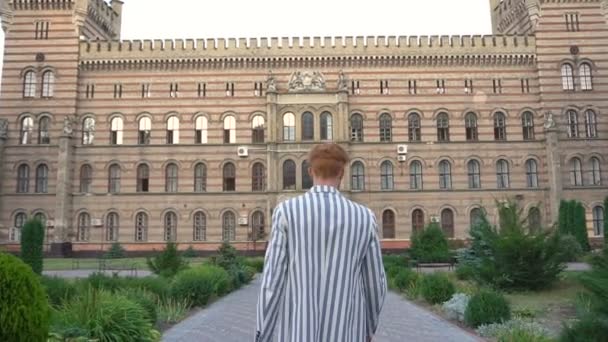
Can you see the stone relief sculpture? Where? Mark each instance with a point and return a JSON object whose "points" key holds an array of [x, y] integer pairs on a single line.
{"points": [[68, 125], [549, 121], [271, 85], [3, 128], [306, 81], [342, 82]]}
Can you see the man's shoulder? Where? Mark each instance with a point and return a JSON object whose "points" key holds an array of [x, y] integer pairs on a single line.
{"points": [[361, 208]]}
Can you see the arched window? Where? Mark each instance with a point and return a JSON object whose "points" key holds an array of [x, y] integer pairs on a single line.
{"points": [[257, 226], [584, 72], [386, 128], [257, 130], [15, 232], [114, 179], [414, 127], [598, 221], [41, 217], [567, 77], [443, 127], [171, 178], [143, 178], [141, 227], [534, 220], [596, 171], [27, 130], [445, 175], [386, 176], [356, 128], [474, 174], [44, 137], [306, 177], [48, 84], [576, 172], [417, 221], [84, 227], [112, 227], [572, 124], [308, 126], [42, 179], [357, 176], [591, 124], [502, 174], [388, 224], [201, 130], [228, 226], [170, 232], [29, 84], [527, 124], [229, 176], [532, 173], [327, 126], [229, 130], [289, 127], [199, 226], [416, 175], [258, 177], [23, 179], [116, 134], [289, 175], [172, 130], [447, 222], [88, 131], [500, 127], [144, 131], [470, 122], [86, 178], [200, 178], [475, 217]]}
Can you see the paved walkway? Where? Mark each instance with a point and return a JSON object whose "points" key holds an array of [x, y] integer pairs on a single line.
{"points": [[232, 319]]}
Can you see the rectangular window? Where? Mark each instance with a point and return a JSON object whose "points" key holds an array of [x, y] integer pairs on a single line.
{"points": [[384, 89], [572, 22], [257, 89], [412, 87], [145, 90], [525, 85], [441, 87], [202, 89], [497, 86], [90, 91], [355, 88], [468, 86], [229, 89], [118, 91], [42, 30], [174, 90]]}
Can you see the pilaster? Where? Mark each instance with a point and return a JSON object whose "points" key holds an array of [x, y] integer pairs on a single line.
{"points": [[554, 167], [3, 137], [63, 197]]}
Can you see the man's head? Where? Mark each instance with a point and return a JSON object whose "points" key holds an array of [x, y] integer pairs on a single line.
{"points": [[327, 163]]}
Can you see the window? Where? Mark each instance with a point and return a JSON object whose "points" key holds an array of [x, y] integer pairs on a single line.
{"points": [[229, 130], [44, 137], [42, 30], [257, 226], [384, 89], [572, 23], [468, 87], [88, 131], [202, 89], [474, 174], [29, 84], [388, 224], [386, 176], [258, 177], [598, 221], [200, 178], [229, 176], [90, 91], [146, 90], [441, 87], [118, 91], [23, 179], [525, 85], [112, 227], [417, 221], [199, 227], [355, 88], [27, 130], [445, 175], [327, 127], [289, 175], [502, 174], [84, 227], [443, 127], [144, 131], [500, 127], [470, 121], [114, 179], [576, 172], [357, 176], [86, 178], [567, 77], [591, 124], [416, 175], [596, 172], [386, 128], [289, 127], [257, 89], [171, 178], [174, 90], [447, 222], [201, 130], [534, 220], [531, 173], [15, 232], [170, 233], [412, 87], [229, 89], [141, 227], [527, 124], [584, 72], [116, 133], [257, 130], [414, 129], [42, 179], [308, 126], [307, 182], [572, 124], [48, 84], [475, 217], [356, 128], [143, 178], [173, 130], [228, 227], [497, 86]]}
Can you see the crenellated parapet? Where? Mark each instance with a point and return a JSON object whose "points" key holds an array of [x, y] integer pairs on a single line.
{"points": [[41, 4]]}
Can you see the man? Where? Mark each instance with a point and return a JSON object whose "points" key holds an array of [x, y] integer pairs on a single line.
{"points": [[323, 277]]}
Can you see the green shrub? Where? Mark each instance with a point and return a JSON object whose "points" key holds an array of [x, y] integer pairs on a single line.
{"points": [[58, 290], [605, 232], [24, 308], [167, 263], [404, 279], [116, 251], [189, 253], [588, 329], [100, 281], [515, 330], [487, 307], [465, 272], [195, 285], [239, 276], [430, 245], [255, 263], [572, 221], [145, 299], [32, 240], [219, 277], [227, 257], [171, 310], [159, 286], [570, 249], [436, 288], [395, 260]]}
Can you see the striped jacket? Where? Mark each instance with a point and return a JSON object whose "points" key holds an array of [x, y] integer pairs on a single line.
{"points": [[323, 278]]}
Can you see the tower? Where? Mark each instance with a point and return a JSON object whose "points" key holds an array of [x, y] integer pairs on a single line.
{"points": [[514, 17]]}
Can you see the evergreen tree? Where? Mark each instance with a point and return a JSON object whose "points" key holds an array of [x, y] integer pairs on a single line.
{"points": [[32, 239], [606, 222]]}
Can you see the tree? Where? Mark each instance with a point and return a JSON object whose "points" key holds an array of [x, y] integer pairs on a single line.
{"points": [[167, 263], [606, 222], [32, 240], [572, 220], [430, 245]]}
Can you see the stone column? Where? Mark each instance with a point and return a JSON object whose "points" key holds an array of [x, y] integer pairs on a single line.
{"points": [[342, 126], [554, 167], [63, 197], [271, 154]]}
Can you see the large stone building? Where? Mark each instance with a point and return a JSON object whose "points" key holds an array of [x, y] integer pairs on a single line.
{"points": [[197, 140]]}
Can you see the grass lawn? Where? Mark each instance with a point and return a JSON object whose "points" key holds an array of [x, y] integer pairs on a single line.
{"points": [[93, 264]]}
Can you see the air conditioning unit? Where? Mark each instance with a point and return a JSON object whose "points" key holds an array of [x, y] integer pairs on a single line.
{"points": [[243, 151], [243, 221], [402, 158], [435, 219], [97, 222], [402, 149]]}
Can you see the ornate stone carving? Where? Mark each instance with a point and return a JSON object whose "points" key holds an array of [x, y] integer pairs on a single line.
{"points": [[3, 128], [549, 121], [342, 82], [306, 81], [271, 83], [68, 125]]}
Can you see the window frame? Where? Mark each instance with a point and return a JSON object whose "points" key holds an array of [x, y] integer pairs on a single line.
{"points": [[170, 222], [308, 126], [447, 223], [48, 84], [576, 172], [42, 179], [116, 131], [386, 127], [388, 225], [356, 127], [44, 137], [289, 127], [387, 176], [500, 126], [443, 127], [172, 178], [26, 130], [527, 124], [200, 178], [258, 177], [585, 73], [112, 227], [503, 174], [23, 179], [598, 216], [445, 175], [414, 129], [591, 124], [199, 226], [357, 182], [471, 127], [29, 84], [88, 131], [474, 174], [86, 178], [229, 177], [141, 227], [114, 175], [289, 174], [228, 226], [416, 175], [327, 126], [229, 123], [143, 178], [567, 74], [532, 173], [258, 129]]}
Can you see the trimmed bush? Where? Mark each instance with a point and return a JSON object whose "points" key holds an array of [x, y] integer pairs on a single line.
{"points": [[487, 307], [116, 251], [32, 239], [570, 249], [404, 279], [24, 308], [255, 263], [58, 290], [167, 263], [219, 277], [430, 245], [572, 221], [195, 285], [436, 288]]}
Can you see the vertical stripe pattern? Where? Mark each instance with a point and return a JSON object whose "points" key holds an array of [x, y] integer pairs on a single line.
{"points": [[323, 278]]}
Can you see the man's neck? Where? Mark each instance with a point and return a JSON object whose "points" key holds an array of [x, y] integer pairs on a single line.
{"points": [[327, 182]]}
